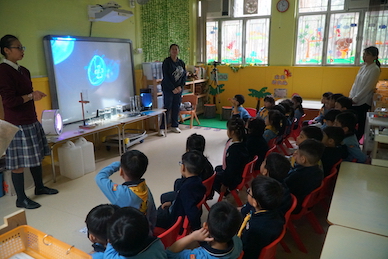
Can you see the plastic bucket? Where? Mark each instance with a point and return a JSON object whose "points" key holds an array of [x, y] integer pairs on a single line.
{"points": [[87, 149], [71, 164]]}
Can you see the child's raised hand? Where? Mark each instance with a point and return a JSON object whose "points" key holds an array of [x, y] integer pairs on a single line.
{"points": [[166, 205], [201, 235]]}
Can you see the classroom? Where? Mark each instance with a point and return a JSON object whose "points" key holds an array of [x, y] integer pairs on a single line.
{"points": [[152, 26]]}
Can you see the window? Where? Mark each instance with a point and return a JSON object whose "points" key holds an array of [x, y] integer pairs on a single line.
{"points": [[240, 37], [329, 35]]}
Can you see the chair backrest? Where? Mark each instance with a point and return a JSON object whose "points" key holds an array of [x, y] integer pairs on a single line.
{"points": [[311, 199], [192, 98], [272, 149], [208, 183], [169, 236], [247, 173], [291, 209], [329, 181], [269, 251], [335, 167], [252, 111]]}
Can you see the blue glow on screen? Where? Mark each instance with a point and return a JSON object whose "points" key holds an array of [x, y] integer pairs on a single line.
{"points": [[61, 50]]}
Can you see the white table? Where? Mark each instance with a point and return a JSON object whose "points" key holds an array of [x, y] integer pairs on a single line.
{"points": [[73, 131], [360, 199], [346, 243]]}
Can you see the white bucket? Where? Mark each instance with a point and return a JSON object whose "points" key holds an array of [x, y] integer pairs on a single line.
{"points": [[71, 164], [87, 154]]}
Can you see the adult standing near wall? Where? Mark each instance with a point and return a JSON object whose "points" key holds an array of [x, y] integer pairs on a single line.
{"points": [[364, 86], [174, 79], [29, 145]]}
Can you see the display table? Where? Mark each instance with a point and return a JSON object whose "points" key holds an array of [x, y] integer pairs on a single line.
{"points": [[360, 198], [73, 131], [346, 243]]}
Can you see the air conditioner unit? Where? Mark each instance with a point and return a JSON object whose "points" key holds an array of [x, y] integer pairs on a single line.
{"points": [[218, 8]]}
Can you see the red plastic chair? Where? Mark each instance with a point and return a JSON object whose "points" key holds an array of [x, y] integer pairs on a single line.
{"points": [[287, 219], [252, 112], [328, 184], [208, 183], [308, 203], [169, 236], [246, 177], [295, 132], [186, 224], [272, 149]]}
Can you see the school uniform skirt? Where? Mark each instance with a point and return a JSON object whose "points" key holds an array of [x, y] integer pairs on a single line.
{"points": [[28, 147]]}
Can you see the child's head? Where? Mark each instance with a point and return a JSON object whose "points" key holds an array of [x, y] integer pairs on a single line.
{"points": [[329, 117], [256, 126], [133, 164], [333, 99], [193, 163], [128, 231], [326, 98], [195, 142], [223, 221], [280, 107], [309, 152], [236, 128], [97, 221], [333, 136], [269, 101], [275, 166], [297, 100], [343, 103], [309, 132], [347, 121], [288, 106], [240, 99], [276, 120], [265, 193]]}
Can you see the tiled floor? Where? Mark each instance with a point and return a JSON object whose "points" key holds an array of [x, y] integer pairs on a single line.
{"points": [[63, 215]]}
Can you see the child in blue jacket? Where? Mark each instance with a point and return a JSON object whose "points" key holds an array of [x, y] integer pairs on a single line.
{"points": [[134, 192]]}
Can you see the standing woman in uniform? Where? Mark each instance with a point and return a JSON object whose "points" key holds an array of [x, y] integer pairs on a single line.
{"points": [[29, 145], [174, 79], [364, 86]]}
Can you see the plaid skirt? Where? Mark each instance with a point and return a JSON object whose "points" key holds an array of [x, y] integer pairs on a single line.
{"points": [[28, 147]]}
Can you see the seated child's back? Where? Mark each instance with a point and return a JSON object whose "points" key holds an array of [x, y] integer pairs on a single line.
{"points": [[334, 151], [264, 224], [134, 192], [188, 196], [348, 121], [129, 237], [217, 238], [255, 142], [306, 175]]}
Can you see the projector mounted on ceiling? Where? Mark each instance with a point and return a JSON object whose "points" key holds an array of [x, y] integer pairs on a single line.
{"points": [[108, 12]]}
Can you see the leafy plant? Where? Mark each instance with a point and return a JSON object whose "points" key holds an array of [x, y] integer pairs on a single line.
{"points": [[258, 95]]}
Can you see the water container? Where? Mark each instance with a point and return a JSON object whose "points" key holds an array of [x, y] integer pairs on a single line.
{"points": [[87, 154], [71, 163]]}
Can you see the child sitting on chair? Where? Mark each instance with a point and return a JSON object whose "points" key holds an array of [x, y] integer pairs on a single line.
{"points": [[329, 118], [96, 223], [334, 151], [129, 237], [217, 238], [134, 192], [309, 132], [343, 103], [348, 121], [264, 224], [269, 102], [184, 202], [275, 125], [325, 100], [237, 109], [255, 142], [306, 176]]}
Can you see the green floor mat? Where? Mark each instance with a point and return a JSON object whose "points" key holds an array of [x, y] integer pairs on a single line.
{"points": [[208, 123]]}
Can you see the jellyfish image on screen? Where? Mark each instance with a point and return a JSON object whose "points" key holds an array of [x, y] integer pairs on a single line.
{"points": [[96, 71], [61, 50], [112, 70]]}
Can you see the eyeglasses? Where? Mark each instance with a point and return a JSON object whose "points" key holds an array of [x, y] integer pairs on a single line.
{"points": [[21, 48], [249, 192], [180, 163]]}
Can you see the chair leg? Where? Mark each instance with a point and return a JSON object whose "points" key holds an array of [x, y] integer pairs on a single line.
{"points": [[191, 121], [314, 222], [285, 246], [221, 196], [196, 118], [236, 198], [207, 206], [296, 237]]}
